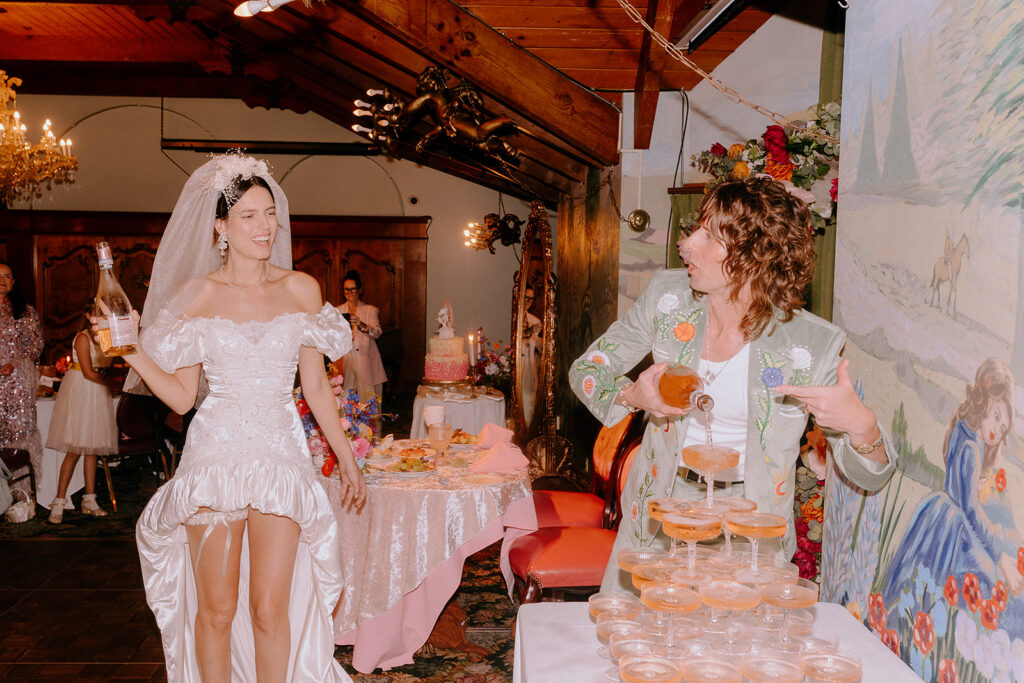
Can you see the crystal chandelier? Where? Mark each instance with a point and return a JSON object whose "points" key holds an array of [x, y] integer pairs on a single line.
{"points": [[27, 169]]}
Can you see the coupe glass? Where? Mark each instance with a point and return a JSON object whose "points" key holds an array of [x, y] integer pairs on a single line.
{"points": [[754, 526], [709, 459], [789, 595], [770, 669], [837, 667], [649, 668], [710, 670], [695, 525]]}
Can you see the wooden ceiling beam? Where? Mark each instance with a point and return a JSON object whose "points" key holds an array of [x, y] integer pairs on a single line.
{"points": [[452, 37], [60, 49], [650, 65]]}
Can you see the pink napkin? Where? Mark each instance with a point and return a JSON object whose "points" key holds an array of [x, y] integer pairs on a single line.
{"points": [[500, 458], [492, 434]]}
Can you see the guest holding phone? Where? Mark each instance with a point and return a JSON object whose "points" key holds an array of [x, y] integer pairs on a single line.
{"points": [[364, 370]]}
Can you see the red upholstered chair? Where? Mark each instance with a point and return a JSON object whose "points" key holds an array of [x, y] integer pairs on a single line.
{"points": [[598, 508], [566, 557]]}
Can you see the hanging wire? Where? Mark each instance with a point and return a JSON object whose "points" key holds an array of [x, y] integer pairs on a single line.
{"points": [[718, 85]]}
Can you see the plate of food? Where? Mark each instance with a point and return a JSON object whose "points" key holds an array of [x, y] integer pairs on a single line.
{"points": [[380, 457], [411, 467], [461, 437], [415, 452]]}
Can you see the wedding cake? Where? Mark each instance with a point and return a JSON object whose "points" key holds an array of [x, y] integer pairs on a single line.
{"points": [[446, 361]]}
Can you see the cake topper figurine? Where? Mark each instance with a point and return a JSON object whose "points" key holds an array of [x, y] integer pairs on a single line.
{"points": [[446, 320]]}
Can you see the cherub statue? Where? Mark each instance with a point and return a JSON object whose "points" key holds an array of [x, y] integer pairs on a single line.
{"points": [[446, 321]]}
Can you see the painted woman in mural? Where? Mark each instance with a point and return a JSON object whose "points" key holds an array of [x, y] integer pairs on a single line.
{"points": [[967, 528]]}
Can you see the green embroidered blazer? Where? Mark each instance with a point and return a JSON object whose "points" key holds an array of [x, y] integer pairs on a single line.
{"points": [[670, 324]]}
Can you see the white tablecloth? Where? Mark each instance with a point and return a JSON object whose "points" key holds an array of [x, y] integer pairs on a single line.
{"points": [[461, 409], [46, 486], [557, 642]]}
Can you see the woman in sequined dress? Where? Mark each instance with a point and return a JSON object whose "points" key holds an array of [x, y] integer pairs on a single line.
{"points": [[21, 342]]}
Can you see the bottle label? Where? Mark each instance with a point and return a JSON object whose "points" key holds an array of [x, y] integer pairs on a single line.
{"points": [[122, 331], [106, 263]]}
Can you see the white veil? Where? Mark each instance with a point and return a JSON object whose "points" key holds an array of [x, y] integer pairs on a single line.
{"points": [[187, 251]]}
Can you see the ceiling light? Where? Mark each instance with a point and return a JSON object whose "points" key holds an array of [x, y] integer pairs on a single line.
{"points": [[251, 7]]}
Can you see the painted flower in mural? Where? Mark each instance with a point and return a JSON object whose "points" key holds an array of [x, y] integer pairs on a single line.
{"points": [[1020, 560], [800, 357], [999, 595], [876, 612], [891, 640], [965, 635], [1001, 480], [683, 332], [972, 592], [990, 614], [654, 471], [667, 302], [948, 672], [775, 141], [951, 591], [1002, 653], [854, 608], [1017, 657], [924, 633], [771, 377]]}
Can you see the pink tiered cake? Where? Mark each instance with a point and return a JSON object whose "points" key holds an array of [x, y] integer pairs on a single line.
{"points": [[446, 362]]}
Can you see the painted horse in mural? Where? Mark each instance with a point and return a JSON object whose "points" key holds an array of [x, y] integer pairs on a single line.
{"points": [[947, 269]]}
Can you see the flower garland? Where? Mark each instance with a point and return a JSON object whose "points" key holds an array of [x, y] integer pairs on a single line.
{"points": [[797, 158]]}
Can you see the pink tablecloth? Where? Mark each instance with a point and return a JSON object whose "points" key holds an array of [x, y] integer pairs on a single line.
{"points": [[405, 550]]}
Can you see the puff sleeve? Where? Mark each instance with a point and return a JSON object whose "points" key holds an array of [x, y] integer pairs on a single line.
{"points": [[328, 332], [172, 342]]}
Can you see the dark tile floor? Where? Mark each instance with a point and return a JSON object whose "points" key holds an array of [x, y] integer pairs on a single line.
{"points": [[74, 610]]}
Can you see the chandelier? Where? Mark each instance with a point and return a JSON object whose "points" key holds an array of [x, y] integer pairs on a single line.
{"points": [[27, 169]]}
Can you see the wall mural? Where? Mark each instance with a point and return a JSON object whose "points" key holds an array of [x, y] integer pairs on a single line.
{"points": [[928, 286]]}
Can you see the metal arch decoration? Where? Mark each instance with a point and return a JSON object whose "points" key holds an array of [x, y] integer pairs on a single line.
{"points": [[456, 113]]}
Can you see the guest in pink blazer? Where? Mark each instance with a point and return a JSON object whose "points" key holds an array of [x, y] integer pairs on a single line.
{"points": [[364, 370]]}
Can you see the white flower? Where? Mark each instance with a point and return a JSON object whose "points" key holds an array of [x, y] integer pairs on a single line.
{"points": [[1001, 650], [1017, 657], [966, 636], [491, 369], [598, 358], [667, 302], [984, 657], [800, 357]]}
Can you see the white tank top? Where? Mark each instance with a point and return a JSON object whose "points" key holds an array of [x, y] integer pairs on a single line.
{"points": [[728, 388]]}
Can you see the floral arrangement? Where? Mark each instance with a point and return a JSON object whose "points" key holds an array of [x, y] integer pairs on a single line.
{"points": [[955, 612], [62, 365], [794, 157], [493, 365], [808, 502], [360, 420]]}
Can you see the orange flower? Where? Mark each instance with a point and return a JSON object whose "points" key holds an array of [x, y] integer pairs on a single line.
{"points": [[1020, 560], [951, 591], [891, 640], [741, 170], [876, 612], [683, 332], [924, 634], [779, 171], [809, 511], [736, 150], [999, 595], [990, 614], [948, 672], [635, 511], [1001, 480], [972, 592]]}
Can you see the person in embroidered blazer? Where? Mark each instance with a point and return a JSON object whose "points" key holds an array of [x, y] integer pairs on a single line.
{"points": [[748, 263]]}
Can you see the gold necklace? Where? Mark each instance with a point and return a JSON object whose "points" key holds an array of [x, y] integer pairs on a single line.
{"points": [[266, 274]]}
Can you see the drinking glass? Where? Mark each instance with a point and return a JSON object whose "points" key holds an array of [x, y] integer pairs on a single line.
{"points": [[789, 595], [605, 601], [695, 525], [668, 599], [440, 437], [615, 621], [732, 596], [709, 459], [754, 526], [770, 669], [649, 668], [625, 644], [832, 667], [710, 670], [631, 557]]}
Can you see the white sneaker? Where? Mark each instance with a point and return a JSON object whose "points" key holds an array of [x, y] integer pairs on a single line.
{"points": [[56, 511]]}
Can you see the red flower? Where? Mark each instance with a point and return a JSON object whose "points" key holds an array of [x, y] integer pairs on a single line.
{"points": [[833, 191], [801, 526], [807, 564], [718, 150], [876, 613], [924, 634], [1020, 560], [330, 460], [951, 591], [947, 672], [972, 592], [775, 142], [1001, 480], [891, 640], [990, 614], [999, 595]]}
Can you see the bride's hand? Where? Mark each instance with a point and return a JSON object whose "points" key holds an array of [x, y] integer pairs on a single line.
{"points": [[96, 320], [353, 486]]}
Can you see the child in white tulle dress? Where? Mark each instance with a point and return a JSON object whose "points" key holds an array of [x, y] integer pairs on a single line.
{"points": [[82, 425]]}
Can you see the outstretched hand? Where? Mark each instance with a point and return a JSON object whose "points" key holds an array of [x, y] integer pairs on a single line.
{"points": [[837, 406], [644, 393], [95, 320], [353, 486]]}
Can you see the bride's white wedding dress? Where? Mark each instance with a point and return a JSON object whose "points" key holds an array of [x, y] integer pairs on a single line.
{"points": [[245, 448]]}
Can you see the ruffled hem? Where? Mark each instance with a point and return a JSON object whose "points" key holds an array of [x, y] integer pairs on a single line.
{"points": [[63, 447]]}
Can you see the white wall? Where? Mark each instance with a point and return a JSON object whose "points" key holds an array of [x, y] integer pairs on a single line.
{"points": [[777, 67], [122, 168]]}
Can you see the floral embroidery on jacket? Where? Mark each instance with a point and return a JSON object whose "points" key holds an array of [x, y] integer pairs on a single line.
{"points": [[800, 359], [597, 366], [677, 328], [639, 511]]}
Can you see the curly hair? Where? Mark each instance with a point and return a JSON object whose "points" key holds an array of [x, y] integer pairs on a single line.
{"points": [[992, 382], [767, 237]]}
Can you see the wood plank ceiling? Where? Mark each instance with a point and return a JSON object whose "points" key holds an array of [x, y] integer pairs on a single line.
{"points": [[557, 67]]}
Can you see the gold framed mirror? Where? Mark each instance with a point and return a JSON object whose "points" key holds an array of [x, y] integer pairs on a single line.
{"points": [[532, 403]]}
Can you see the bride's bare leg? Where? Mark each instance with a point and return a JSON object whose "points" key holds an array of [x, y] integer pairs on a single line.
{"points": [[273, 542], [217, 596]]}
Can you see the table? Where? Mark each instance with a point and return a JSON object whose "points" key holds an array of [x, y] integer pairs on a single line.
{"points": [[46, 483], [461, 409], [557, 642], [406, 547]]}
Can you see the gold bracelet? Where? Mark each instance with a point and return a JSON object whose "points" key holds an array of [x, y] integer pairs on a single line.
{"points": [[868, 448]]}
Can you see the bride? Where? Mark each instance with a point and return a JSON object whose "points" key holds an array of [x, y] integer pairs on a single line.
{"points": [[240, 555]]}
